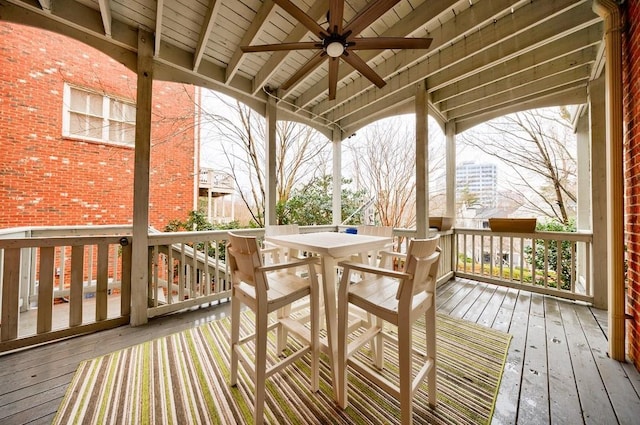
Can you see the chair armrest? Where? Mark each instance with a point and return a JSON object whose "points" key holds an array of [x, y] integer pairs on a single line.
{"points": [[288, 264], [351, 265]]}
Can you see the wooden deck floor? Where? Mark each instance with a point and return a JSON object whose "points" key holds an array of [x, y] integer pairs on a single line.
{"points": [[557, 369]]}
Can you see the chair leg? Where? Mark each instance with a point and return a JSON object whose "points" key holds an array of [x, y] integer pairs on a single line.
{"points": [[281, 331], [235, 337], [314, 302], [378, 345], [430, 322], [405, 369], [341, 365], [261, 364]]}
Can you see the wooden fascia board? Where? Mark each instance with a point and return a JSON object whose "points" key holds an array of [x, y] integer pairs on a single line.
{"points": [[205, 32], [467, 61], [571, 96]]}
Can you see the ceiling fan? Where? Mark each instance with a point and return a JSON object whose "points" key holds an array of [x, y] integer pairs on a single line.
{"points": [[339, 41]]}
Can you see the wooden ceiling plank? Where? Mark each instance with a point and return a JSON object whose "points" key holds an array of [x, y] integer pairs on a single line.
{"points": [[423, 14], [517, 78], [581, 44], [573, 77], [207, 27], [317, 10], [467, 61], [256, 24], [105, 12]]}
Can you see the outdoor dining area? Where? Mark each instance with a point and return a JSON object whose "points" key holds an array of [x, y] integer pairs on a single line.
{"points": [[332, 323]]}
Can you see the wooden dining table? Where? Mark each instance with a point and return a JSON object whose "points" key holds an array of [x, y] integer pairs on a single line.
{"points": [[331, 247]]}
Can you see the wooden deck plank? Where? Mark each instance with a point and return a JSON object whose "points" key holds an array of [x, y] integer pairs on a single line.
{"points": [[594, 400], [617, 384], [490, 312], [533, 405], [480, 303], [563, 393], [34, 380], [506, 410]]}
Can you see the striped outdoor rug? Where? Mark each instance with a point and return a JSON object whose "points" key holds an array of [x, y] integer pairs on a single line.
{"points": [[183, 379]]}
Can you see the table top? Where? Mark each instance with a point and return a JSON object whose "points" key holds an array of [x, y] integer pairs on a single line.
{"points": [[330, 243]]}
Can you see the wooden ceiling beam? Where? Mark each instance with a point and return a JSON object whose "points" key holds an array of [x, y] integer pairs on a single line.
{"points": [[158, 32], [256, 24], [205, 32], [105, 12]]}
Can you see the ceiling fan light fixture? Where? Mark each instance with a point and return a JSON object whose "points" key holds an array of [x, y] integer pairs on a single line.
{"points": [[335, 49]]}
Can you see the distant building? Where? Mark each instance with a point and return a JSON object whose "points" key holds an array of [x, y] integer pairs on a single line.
{"points": [[479, 181]]}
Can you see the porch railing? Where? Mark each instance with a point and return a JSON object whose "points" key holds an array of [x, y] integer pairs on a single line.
{"points": [[88, 278], [554, 263], [85, 272]]}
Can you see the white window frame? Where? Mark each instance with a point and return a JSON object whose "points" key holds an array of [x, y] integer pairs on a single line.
{"points": [[106, 119]]}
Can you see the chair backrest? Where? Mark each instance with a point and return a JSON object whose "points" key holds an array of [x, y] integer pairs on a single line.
{"points": [[244, 258], [281, 229], [423, 256], [367, 229]]}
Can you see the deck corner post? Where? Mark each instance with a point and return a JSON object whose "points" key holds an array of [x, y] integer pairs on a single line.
{"points": [[139, 271]]}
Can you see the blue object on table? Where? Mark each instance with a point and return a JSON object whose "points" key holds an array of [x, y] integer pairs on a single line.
{"points": [[351, 230]]}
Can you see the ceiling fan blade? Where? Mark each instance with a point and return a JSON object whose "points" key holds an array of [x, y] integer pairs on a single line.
{"points": [[361, 66], [336, 13], [304, 70], [333, 77], [368, 15], [382, 43], [303, 45], [302, 17]]}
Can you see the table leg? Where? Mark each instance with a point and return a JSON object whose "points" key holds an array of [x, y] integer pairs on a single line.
{"points": [[330, 302]]}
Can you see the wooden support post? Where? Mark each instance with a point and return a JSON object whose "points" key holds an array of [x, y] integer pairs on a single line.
{"points": [[139, 271], [422, 162], [271, 194], [450, 134], [336, 206]]}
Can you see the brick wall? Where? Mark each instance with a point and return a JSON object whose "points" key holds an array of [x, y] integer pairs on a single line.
{"points": [[47, 179], [631, 79]]}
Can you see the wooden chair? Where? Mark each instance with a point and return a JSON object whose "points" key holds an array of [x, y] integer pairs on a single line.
{"points": [[275, 252], [265, 289], [400, 298], [372, 257]]}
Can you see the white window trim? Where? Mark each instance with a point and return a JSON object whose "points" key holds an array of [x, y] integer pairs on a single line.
{"points": [[66, 123]]}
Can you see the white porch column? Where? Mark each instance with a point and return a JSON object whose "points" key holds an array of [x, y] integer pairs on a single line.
{"points": [[139, 253], [270, 157], [336, 206], [450, 167], [598, 194], [610, 12], [422, 162]]}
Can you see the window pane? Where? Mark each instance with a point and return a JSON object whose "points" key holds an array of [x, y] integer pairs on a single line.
{"points": [[115, 110], [78, 101], [129, 133], [130, 113], [76, 124], [95, 102], [94, 127]]}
